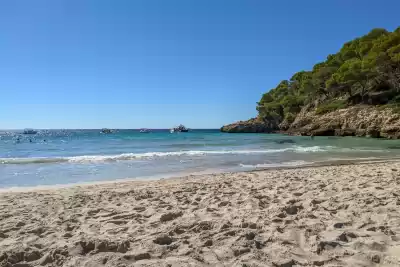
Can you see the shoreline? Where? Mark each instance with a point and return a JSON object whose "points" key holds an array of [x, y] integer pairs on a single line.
{"points": [[337, 215], [334, 162]]}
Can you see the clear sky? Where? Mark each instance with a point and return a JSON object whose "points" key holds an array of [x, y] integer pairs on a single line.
{"points": [[158, 63]]}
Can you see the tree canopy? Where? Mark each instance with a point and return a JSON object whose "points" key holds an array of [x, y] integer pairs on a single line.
{"points": [[364, 66]]}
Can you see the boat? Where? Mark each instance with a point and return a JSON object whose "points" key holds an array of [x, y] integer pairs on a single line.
{"points": [[179, 129], [106, 131], [145, 130], [29, 131]]}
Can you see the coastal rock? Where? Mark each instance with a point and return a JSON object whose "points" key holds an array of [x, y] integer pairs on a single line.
{"points": [[254, 125], [359, 120]]}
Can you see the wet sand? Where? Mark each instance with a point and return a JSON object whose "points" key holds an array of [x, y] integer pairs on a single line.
{"points": [[343, 215]]}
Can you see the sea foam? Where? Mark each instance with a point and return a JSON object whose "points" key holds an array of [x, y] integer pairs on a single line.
{"points": [[155, 155]]}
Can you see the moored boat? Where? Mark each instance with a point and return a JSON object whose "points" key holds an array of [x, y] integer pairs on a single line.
{"points": [[106, 131], [29, 131], [179, 129]]}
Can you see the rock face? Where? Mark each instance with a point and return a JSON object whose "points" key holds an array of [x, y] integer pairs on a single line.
{"points": [[367, 121], [254, 125], [360, 120]]}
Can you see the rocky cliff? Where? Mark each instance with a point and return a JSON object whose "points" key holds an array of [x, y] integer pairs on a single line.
{"points": [[254, 125], [360, 120], [370, 121]]}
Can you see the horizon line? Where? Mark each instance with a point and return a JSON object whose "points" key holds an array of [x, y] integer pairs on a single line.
{"points": [[103, 128]]}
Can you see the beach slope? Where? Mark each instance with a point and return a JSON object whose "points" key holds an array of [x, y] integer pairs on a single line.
{"points": [[315, 216]]}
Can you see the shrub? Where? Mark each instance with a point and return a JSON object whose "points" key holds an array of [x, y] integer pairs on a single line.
{"points": [[290, 117], [331, 106]]}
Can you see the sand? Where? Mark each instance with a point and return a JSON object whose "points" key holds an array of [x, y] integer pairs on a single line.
{"points": [[314, 216]]}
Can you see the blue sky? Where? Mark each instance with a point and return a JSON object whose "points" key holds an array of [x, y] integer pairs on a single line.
{"points": [[158, 63]]}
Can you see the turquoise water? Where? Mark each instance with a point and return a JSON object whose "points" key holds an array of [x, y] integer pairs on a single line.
{"points": [[74, 156]]}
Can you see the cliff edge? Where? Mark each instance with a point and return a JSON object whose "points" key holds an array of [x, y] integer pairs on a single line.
{"points": [[360, 120]]}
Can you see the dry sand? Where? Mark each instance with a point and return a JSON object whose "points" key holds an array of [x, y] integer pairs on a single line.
{"points": [[317, 216]]}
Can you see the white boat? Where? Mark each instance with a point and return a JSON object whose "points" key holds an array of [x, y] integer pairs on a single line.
{"points": [[29, 131], [106, 131], [145, 130], [179, 129]]}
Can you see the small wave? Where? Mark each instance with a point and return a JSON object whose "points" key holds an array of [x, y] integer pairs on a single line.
{"points": [[154, 155], [274, 165], [31, 160], [310, 148]]}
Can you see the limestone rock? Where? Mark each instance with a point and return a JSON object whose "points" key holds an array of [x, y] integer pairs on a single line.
{"points": [[361, 120], [254, 125]]}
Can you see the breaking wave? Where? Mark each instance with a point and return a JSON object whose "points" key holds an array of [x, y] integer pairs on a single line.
{"points": [[155, 155]]}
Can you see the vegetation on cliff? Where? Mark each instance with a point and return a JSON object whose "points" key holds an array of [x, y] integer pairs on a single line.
{"points": [[366, 70]]}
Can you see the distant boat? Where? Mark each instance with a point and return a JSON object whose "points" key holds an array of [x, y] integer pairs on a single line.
{"points": [[29, 131], [179, 129], [106, 131], [145, 130]]}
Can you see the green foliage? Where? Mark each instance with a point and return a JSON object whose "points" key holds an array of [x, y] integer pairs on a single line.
{"points": [[290, 117], [329, 107], [266, 98], [292, 103], [268, 110], [363, 65]]}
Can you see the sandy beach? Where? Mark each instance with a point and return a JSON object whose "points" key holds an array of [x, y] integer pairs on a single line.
{"points": [[315, 216]]}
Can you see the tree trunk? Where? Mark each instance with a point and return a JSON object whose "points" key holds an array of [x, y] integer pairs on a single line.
{"points": [[349, 92], [363, 89]]}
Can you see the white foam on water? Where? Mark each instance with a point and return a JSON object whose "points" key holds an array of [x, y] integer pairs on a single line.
{"points": [[274, 165], [155, 155]]}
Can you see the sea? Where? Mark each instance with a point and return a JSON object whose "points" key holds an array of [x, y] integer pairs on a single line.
{"points": [[59, 157]]}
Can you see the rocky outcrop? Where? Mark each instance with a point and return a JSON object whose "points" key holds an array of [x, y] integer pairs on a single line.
{"points": [[360, 120], [370, 121], [254, 125]]}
